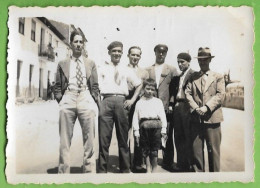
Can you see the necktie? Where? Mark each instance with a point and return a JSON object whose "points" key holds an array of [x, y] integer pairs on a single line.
{"points": [[203, 81], [116, 76], [79, 74]]}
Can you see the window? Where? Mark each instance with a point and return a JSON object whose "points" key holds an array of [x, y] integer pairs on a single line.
{"points": [[33, 30], [21, 25], [19, 66], [31, 73], [50, 39]]}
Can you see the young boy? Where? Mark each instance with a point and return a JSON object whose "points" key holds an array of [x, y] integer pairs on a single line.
{"points": [[149, 124]]}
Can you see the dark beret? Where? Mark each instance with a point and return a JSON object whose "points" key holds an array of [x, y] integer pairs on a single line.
{"points": [[161, 47], [184, 56], [115, 44]]}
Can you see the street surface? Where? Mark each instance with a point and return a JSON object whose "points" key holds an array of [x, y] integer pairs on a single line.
{"points": [[37, 141]]}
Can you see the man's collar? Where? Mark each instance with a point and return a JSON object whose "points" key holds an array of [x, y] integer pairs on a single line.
{"points": [[111, 63], [185, 72], [156, 64], [132, 66], [80, 58], [206, 73]]}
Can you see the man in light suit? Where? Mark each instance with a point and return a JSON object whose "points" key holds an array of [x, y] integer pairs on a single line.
{"points": [[181, 115], [75, 90], [163, 74], [205, 93]]}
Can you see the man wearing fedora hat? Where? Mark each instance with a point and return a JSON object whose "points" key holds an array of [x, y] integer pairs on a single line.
{"points": [[205, 93], [163, 74], [181, 115]]}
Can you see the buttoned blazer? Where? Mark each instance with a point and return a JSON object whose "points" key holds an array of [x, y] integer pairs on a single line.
{"points": [[212, 97], [163, 91], [62, 78]]}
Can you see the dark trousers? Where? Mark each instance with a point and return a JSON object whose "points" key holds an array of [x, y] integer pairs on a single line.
{"points": [[182, 135], [112, 112], [211, 133], [137, 161], [168, 151]]}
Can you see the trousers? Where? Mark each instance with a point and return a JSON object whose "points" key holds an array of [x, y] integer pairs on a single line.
{"points": [[72, 106], [182, 135], [211, 133], [112, 112]]}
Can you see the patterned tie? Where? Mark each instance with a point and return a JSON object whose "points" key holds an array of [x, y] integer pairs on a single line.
{"points": [[116, 76], [203, 81], [79, 74]]}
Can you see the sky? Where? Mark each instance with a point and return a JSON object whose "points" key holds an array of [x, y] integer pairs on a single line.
{"points": [[227, 31]]}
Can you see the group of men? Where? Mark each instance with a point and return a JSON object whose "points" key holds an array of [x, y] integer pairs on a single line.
{"points": [[192, 103]]}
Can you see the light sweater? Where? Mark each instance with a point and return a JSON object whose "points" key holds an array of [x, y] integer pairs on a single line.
{"points": [[149, 108]]}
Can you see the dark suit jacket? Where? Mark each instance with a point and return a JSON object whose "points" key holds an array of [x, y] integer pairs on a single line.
{"points": [[163, 92], [174, 86], [212, 96], [62, 78]]}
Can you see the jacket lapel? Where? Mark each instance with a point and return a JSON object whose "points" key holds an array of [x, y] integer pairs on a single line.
{"points": [[197, 82], [165, 72], [152, 72], [87, 67], [210, 79], [186, 77], [65, 66]]}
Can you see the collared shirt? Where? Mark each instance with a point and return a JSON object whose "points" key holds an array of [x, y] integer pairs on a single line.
{"points": [[158, 71], [149, 108], [205, 74], [73, 73], [141, 73], [181, 94], [107, 79]]}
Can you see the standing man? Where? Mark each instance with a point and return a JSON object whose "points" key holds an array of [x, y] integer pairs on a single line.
{"points": [[114, 79], [134, 55], [181, 114], [205, 93], [76, 87], [163, 74]]}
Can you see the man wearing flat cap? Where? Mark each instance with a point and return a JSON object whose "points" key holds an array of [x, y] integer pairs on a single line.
{"points": [[163, 74], [205, 93], [181, 115], [114, 79]]}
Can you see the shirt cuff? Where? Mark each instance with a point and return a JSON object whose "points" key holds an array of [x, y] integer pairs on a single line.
{"points": [[163, 130], [136, 133]]}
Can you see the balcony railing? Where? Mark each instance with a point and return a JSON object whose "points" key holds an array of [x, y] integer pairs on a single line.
{"points": [[46, 50]]}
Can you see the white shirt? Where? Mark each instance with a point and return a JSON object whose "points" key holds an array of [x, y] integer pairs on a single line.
{"points": [[179, 95], [149, 108], [107, 80], [158, 71], [73, 72]]}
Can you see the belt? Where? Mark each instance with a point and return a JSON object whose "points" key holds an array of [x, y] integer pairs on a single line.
{"points": [[181, 100], [77, 90], [112, 95]]}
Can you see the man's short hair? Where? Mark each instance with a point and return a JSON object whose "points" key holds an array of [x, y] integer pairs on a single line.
{"points": [[149, 82], [134, 47], [115, 44], [74, 33]]}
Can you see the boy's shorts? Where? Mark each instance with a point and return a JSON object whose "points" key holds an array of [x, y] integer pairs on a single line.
{"points": [[150, 136]]}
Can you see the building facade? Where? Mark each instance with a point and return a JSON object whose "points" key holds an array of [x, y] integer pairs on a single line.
{"points": [[39, 48]]}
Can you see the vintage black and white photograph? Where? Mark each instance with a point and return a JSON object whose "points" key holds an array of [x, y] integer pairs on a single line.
{"points": [[139, 94]]}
